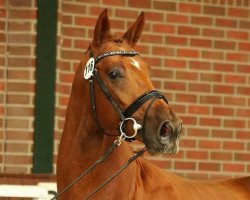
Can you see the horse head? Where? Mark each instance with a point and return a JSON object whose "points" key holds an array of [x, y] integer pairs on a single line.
{"points": [[121, 91]]}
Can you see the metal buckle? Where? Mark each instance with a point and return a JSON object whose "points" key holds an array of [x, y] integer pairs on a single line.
{"points": [[136, 127]]}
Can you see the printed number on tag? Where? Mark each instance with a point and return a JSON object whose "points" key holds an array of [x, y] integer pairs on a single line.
{"points": [[89, 68]]}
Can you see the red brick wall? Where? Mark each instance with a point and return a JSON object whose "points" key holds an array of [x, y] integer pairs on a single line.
{"points": [[199, 53], [17, 66]]}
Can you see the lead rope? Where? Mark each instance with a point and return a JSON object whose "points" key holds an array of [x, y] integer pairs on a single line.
{"points": [[130, 160], [100, 160]]}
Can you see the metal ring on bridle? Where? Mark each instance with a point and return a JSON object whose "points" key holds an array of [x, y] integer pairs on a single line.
{"points": [[136, 127]]}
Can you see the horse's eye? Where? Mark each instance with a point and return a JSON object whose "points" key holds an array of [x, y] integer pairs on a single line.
{"points": [[114, 74]]}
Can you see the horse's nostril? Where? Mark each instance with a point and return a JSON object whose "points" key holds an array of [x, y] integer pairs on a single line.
{"points": [[166, 130]]}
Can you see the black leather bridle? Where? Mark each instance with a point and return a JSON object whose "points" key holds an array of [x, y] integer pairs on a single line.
{"points": [[91, 74]]}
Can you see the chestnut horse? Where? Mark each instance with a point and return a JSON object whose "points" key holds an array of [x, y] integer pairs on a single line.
{"points": [[112, 94]]}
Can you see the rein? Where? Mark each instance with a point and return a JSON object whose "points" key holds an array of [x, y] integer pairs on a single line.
{"points": [[91, 74]]}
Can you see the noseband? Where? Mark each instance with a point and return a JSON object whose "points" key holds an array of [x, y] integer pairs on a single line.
{"points": [[91, 74]]}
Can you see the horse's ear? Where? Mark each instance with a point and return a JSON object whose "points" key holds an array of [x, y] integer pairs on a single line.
{"points": [[102, 28], [134, 32]]}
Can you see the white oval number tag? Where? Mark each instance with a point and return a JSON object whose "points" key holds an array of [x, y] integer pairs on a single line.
{"points": [[89, 68]]}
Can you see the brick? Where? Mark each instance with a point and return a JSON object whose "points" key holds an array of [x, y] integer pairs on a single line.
{"points": [[225, 156], [166, 6], [244, 46], [199, 110], [76, 32], [17, 87], [200, 20], [199, 87], [233, 167], [188, 143], [235, 79], [22, 14], [244, 112], [205, 166], [235, 101], [19, 135], [238, 12], [174, 85], [244, 24], [173, 40], [15, 159], [163, 51], [20, 111], [205, 144], [201, 155], [19, 26], [184, 165], [150, 38], [17, 123], [177, 18], [21, 38], [210, 32], [243, 68], [162, 28], [172, 63], [20, 75], [189, 8], [243, 90], [211, 77], [212, 55], [189, 120], [223, 111], [162, 73], [73, 8], [227, 45], [239, 35], [20, 3], [224, 67], [214, 10], [17, 147], [227, 23], [21, 62], [233, 145], [185, 75], [234, 123], [66, 78], [20, 50], [244, 135], [224, 89], [179, 108], [188, 53], [210, 122], [18, 99], [154, 16], [186, 98], [201, 43], [139, 4], [198, 132], [200, 65], [242, 156], [186, 30]]}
